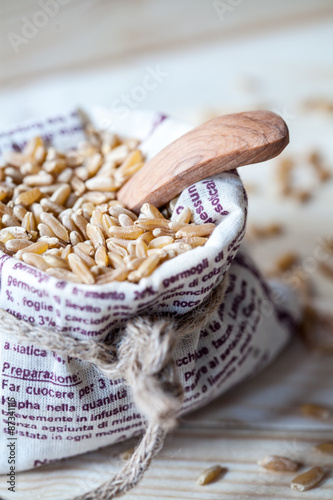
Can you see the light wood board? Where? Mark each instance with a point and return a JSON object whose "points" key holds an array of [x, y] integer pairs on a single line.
{"points": [[259, 417]]}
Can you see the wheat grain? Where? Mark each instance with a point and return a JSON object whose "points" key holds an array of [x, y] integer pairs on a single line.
{"points": [[316, 411], [56, 226], [35, 260], [80, 269], [58, 211], [210, 475], [28, 197], [279, 464], [308, 479], [55, 261], [326, 448]]}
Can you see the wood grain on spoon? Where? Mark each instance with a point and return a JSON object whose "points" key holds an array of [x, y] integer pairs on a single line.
{"points": [[218, 145]]}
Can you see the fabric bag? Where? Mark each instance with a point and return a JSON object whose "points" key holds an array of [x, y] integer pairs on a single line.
{"points": [[87, 366]]}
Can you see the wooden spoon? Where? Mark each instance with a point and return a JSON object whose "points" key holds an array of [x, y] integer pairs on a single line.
{"points": [[218, 145]]}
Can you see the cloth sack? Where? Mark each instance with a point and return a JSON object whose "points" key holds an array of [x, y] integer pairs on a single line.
{"points": [[230, 323]]}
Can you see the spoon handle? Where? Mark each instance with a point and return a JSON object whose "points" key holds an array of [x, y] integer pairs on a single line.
{"points": [[221, 144]]}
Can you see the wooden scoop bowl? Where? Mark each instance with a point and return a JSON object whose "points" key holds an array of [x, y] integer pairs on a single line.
{"points": [[216, 146]]}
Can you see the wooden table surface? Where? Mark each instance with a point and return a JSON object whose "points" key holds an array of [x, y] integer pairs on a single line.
{"points": [[277, 70]]}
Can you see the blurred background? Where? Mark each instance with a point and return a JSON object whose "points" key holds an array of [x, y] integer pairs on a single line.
{"points": [[195, 59], [213, 55]]}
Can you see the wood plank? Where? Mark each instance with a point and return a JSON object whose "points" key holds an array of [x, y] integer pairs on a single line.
{"points": [[185, 454]]}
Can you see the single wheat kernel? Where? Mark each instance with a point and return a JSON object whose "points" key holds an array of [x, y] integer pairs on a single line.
{"points": [[10, 221], [141, 248], [66, 251], [34, 260], [160, 242], [86, 248], [118, 154], [56, 252], [316, 411], [326, 448], [96, 218], [45, 230], [40, 154], [80, 269], [95, 234], [195, 241], [55, 261], [56, 226], [81, 223], [40, 179], [163, 232], [54, 167], [38, 247], [148, 266], [150, 224], [193, 230], [68, 222], [100, 184], [101, 256], [77, 185], [128, 233], [130, 161], [94, 163], [28, 197], [87, 209], [75, 238], [29, 222], [308, 479], [286, 261], [185, 216], [125, 220], [61, 194], [279, 464], [89, 261], [157, 251], [151, 212], [178, 247], [116, 260], [210, 475]]}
